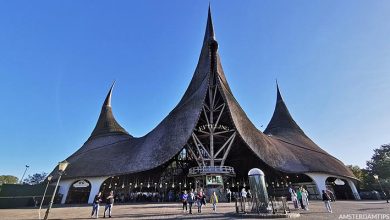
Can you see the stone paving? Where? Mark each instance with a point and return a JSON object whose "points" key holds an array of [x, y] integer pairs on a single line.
{"points": [[341, 210]]}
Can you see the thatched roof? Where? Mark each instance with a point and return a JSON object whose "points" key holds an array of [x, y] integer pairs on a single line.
{"points": [[112, 151]]}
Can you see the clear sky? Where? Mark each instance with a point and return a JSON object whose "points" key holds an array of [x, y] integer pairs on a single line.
{"points": [[59, 58]]}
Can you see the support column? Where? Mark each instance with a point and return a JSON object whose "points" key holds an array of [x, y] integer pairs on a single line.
{"points": [[354, 190], [64, 189], [320, 181], [96, 182]]}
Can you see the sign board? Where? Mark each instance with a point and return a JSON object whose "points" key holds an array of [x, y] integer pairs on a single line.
{"points": [[81, 184], [214, 180]]}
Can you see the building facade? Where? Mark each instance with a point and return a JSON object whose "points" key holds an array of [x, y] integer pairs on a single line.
{"points": [[207, 141]]}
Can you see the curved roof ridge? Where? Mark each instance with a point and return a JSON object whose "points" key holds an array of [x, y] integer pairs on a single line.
{"points": [[107, 123]]}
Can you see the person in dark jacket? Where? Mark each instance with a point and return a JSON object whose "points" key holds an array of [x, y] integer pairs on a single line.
{"points": [[326, 199], [191, 199], [109, 204], [95, 205], [184, 199]]}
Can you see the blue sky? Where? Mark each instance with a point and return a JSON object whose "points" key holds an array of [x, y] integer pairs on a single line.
{"points": [[59, 58]]}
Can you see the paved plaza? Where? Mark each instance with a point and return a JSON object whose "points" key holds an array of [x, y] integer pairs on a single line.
{"points": [[341, 210]]}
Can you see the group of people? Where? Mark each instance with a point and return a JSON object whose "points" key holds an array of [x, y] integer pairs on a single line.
{"points": [[108, 207], [199, 198], [299, 197]]}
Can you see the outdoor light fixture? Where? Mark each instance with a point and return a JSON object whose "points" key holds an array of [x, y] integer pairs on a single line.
{"points": [[21, 180], [44, 194], [61, 168]]}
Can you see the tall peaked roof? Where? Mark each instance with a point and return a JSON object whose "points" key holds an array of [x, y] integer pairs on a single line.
{"points": [[106, 123], [281, 119], [209, 27]]}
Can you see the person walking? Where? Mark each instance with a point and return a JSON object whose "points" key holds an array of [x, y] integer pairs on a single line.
{"points": [[326, 199], [184, 199], [294, 199], [190, 200], [214, 201], [109, 204], [299, 197], [229, 195], [305, 198], [199, 200], [95, 205], [387, 195], [243, 196]]}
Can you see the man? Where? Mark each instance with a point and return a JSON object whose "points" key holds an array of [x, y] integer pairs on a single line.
{"points": [[190, 199], [326, 199], [95, 205], [229, 195], [109, 204]]}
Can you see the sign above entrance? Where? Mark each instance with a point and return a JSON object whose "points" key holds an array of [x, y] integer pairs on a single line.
{"points": [[214, 180], [81, 184]]}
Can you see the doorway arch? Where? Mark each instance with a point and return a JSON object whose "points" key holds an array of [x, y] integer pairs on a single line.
{"points": [[79, 192]]}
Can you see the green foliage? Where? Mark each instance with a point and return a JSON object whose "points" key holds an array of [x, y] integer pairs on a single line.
{"points": [[356, 171], [378, 165], [8, 179], [35, 178], [380, 162]]}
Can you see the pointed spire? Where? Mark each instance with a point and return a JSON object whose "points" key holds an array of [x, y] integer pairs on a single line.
{"points": [[281, 120], [106, 123], [107, 101], [209, 28], [278, 95]]}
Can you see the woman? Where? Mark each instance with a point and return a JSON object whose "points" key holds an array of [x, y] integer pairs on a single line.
{"points": [[305, 198], [294, 198], [199, 200], [299, 197], [214, 201]]}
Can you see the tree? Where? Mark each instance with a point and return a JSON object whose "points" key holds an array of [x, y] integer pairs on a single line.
{"points": [[379, 165], [35, 178], [380, 162], [356, 171], [4, 179]]}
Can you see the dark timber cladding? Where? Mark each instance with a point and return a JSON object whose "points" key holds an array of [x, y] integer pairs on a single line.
{"points": [[110, 150]]}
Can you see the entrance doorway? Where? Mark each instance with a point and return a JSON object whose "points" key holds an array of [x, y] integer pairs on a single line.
{"points": [[79, 192]]}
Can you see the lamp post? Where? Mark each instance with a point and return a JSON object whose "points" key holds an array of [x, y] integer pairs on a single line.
{"points": [[21, 180], [61, 168], [44, 194], [380, 185]]}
